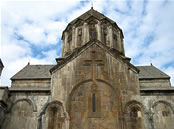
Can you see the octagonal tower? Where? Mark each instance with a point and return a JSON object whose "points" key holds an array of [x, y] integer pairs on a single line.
{"points": [[92, 25]]}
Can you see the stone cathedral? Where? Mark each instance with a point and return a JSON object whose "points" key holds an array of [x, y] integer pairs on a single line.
{"points": [[92, 86]]}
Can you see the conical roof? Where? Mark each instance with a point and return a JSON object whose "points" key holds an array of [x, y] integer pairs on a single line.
{"points": [[90, 13], [95, 14]]}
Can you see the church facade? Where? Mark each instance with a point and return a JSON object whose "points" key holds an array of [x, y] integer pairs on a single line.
{"points": [[92, 86]]}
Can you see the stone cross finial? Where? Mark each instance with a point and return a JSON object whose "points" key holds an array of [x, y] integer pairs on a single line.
{"points": [[91, 4]]}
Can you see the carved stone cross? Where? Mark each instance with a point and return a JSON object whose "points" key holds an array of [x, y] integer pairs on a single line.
{"points": [[94, 62]]}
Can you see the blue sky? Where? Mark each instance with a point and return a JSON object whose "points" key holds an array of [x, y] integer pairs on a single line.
{"points": [[31, 30]]}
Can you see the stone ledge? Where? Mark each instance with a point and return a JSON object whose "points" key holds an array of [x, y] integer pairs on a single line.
{"points": [[157, 91], [29, 89], [3, 87]]}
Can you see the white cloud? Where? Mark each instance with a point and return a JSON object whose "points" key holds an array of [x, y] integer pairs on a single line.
{"points": [[54, 30], [33, 19], [36, 23], [41, 23], [49, 55], [148, 30], [32, 33]]}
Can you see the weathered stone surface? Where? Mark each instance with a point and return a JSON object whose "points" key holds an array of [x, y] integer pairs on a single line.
{"points": [[3, 103], [3, 94], [24, 108], [32, 83], [92, 86], [155, 83]]}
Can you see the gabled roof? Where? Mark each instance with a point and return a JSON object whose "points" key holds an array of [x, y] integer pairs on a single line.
{"points": [[43, 72], [34, 72], [151, 72], [78, 51]]}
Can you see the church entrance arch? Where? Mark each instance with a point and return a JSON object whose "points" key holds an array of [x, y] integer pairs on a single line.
{"points": [[134, 115], [94, 105], [52, 116]]}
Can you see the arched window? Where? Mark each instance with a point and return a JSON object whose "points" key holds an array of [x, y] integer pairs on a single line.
{"points": [[79, 42], [165, 113], [104, 34], [135, 113], [114, 40], [69, 40], [134, 118], [92, 32], [93, 102]]}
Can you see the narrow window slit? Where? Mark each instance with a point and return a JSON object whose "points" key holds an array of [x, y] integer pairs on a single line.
{"points": [[93, 103]]}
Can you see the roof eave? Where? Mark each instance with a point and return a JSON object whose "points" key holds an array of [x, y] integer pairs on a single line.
{"points": [[13, 79], [154, 78]]}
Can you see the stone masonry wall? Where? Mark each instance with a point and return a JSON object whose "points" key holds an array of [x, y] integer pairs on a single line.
{"points": [[160, 110], [24, 109], [31, 83], [95, 66], [156, 83]]}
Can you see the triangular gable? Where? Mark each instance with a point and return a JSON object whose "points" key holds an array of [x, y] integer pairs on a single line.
{"points": [[114, 53], [92, 20]]}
